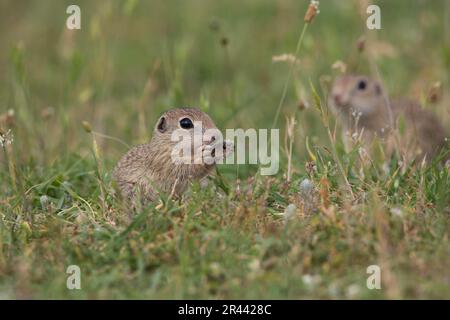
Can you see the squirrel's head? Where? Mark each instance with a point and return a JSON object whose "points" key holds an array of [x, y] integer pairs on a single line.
{"points": [[356, 94], [191, 137]]}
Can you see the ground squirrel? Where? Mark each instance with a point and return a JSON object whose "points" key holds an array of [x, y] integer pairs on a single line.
{"points": [[362, 105], [148, 169]]}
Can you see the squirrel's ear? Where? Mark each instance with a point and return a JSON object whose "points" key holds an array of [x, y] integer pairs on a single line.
{"points": [[162, 125]]}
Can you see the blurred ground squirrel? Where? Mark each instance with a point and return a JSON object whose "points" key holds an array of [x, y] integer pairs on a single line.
{"points": [[148, 169], [362, 105]]}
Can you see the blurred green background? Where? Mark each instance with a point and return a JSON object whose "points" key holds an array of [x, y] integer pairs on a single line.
{"points": [[133, 59]]}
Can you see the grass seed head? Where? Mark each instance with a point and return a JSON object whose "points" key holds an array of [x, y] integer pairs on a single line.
{"points": [[313, 10], [87, 126]]}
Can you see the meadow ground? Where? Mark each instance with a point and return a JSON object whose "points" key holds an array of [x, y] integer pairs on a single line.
{"points": [[132, 60]]}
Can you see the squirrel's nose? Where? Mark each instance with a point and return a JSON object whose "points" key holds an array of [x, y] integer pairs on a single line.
{"points": [[228, 147], [337, 99]]}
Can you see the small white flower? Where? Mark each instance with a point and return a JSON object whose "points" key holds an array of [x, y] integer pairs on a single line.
{"points": [[289, 212], [307, 194], [352, 291], [254, 265], [286, 57], [315, 4], [44, 202], [215, 269], [397, 212], [307, 279], [306, 186], [311, 280]]}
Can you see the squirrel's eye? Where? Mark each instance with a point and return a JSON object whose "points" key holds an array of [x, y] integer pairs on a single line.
{"points": [[362, 85], [186, 123]]}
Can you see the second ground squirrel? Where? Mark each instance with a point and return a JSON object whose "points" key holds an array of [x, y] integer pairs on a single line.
{"points": [[362, 105]]}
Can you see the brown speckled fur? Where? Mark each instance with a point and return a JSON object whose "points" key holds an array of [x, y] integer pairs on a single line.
{"points": [[148, 169]]}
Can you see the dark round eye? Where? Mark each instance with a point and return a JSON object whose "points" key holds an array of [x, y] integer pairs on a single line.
{"points": [[186, 123], [362, 85]]}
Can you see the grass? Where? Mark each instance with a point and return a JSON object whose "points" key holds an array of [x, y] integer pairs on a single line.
{"points": [[132, 60]]}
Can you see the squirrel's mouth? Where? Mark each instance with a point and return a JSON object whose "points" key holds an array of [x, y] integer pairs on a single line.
{"points": [[338, 101], [227, 148], [211, 153]]}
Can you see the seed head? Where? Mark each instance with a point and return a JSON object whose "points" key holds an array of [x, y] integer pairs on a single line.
{"points": [[435, 93], [313, 10], [340, 66], [302, 104], [286, 57]]}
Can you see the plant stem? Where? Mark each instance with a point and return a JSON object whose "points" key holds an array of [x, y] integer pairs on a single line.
{"points": [[9, 157], [288, 79]]}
